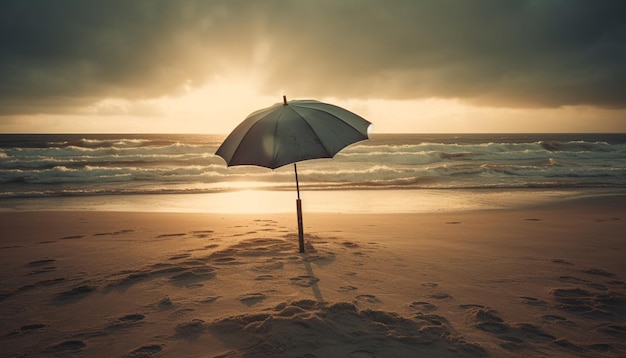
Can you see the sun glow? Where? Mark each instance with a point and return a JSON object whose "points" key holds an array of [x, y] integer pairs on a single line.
{"points": [[219, 106]]}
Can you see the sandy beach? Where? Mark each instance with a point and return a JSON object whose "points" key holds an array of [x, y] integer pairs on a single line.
{"points": [[543, 281]]}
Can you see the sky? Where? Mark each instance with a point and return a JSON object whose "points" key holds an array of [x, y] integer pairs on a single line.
{"points": [[438, 66]]}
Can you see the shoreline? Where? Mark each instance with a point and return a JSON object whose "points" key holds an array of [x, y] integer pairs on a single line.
{"points": [[318, 201]]}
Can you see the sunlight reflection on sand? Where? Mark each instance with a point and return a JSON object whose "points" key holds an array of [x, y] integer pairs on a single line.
{"points": [[268, 201]]}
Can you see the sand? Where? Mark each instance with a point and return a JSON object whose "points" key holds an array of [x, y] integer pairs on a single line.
{"points": [[545, 281]]}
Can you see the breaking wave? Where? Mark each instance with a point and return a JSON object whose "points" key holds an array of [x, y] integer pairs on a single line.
{"points": [[49, 165]]}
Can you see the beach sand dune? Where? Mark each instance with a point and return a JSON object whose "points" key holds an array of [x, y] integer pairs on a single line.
{"points": [[546, 281]]}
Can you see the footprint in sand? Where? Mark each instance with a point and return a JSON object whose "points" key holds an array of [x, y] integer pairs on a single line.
{"points": [[41, 266], [368, 298], [570, 279], [75, 293], [210, 299], [41, 270], [562, 262], [350, 244], [470, 306], [193, 275], [610, 219], [362, 354], [488, 320], [440, 296], [202, 234], [554, 319], [606, 304], [126, 321], [251, 299], [145, 351], [304, 281], [615, 283], [73, 237], [191, 330], [533, 301], [165, 303], [615, 330], [599, 272], [182, 312], [41, 262], [347, 288], [180, 256], [114, 233], [422, 306], [71, 345], [163, 236], [430, 285], [513, 336], [26, 329]]}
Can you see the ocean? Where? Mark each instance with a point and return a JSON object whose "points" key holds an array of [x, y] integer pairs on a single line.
{"points": [[112, 166]]}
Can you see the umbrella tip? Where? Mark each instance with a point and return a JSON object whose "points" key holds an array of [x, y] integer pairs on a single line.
{"points": [[285, 100]]}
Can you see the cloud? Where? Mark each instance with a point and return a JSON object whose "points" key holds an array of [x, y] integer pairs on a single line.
{"points": [[57, 56]]}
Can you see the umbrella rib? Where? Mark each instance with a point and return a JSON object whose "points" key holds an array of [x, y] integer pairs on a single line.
{"points": [[275, 136], [329, 113], [313, 130], [245, 135]]}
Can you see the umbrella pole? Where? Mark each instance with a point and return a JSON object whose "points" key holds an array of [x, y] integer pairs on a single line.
{"points": [[299, 210]]}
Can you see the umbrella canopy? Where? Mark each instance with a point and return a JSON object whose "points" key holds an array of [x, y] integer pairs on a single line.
{"points": [[290, 132]]}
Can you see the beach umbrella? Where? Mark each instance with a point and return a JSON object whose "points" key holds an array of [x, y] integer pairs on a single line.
{"points": [[290, 132]]}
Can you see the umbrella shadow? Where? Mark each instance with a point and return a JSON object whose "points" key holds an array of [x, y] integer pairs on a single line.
{"points": [[314, 280], [312, 255]]}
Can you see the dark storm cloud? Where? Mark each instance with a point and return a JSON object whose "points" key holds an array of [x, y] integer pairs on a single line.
{"points": [[56, 55]]}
